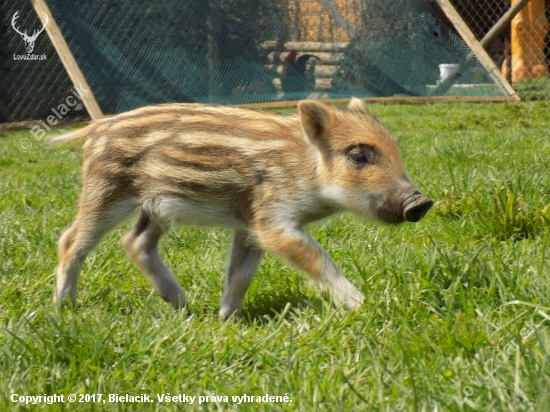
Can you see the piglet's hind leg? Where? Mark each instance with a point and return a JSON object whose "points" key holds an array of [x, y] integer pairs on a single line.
{"points": [[141, 246], [92, 223]]}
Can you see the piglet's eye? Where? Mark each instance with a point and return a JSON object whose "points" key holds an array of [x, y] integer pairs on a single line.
{"points": [[358, 158]]}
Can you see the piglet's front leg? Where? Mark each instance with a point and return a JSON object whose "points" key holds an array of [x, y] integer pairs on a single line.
{"points": [[301, 250], [244, 259]]}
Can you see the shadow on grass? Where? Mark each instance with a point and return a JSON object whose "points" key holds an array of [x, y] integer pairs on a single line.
{"points": [[265, 307], [259, 309]]}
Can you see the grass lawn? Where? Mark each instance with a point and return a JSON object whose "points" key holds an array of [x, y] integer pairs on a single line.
{"points": [[457, 308]]}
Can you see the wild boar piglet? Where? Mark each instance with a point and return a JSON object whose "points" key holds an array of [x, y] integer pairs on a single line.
{"points": [[263, 174]]}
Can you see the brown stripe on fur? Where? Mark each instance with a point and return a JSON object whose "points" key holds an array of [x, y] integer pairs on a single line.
{"points": [[181, 186], [210, 151], [197, 162]]}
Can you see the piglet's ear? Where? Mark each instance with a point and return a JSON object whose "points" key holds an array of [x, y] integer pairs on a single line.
{"points": [[315, 118], [356, 105]]}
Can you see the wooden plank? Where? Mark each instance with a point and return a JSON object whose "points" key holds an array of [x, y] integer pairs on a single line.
{"points": [[404, 99], [469, 38], [67, 58], [503, 22]]}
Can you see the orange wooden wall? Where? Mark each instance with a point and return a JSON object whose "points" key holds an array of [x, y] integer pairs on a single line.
{"points": [[529, 30]]}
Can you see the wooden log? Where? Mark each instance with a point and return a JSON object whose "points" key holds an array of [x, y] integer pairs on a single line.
{"points": [[308, 46], [323, 84], [325, 71], [324, 57], [322, 71], [67, 59], [320, 84]]}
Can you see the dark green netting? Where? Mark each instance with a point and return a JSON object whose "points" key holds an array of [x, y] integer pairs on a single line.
{"points": [[28, 88], [230, 52]]}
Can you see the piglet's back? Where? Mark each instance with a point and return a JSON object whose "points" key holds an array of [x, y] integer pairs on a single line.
{"points": [[201, 153]]}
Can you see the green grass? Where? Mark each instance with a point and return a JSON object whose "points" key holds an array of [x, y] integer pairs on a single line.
{"points": [[447, 300]]}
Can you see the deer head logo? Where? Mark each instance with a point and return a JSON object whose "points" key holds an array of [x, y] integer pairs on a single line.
{"points": [[29, 40]]}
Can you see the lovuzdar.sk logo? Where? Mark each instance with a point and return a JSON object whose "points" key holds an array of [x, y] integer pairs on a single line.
{"points": [[29, 40]]}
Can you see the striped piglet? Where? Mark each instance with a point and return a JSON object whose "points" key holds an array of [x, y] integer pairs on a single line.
{"points": [[263, 174]]}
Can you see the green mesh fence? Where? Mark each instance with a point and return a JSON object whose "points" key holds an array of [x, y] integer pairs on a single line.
{"points": [[233, 52], [28, 88]]}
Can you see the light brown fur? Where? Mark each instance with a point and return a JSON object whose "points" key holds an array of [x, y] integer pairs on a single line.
{"points": [[265, 175]]}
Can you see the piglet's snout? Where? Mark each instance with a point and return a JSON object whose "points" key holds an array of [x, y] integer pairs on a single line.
{"points": [[416, 207]]}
